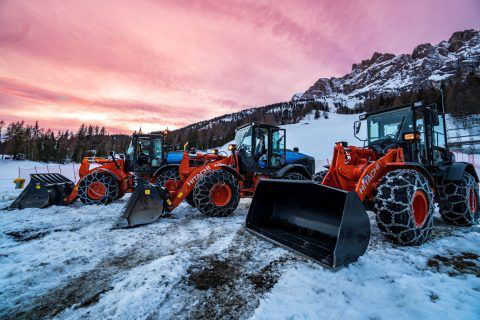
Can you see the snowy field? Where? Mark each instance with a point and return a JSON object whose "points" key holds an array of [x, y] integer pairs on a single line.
{"points": [[67, 263]]}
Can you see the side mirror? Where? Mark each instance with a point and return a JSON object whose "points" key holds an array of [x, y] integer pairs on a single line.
{"points": [[296, 149], [357, 125], [356, 129]]}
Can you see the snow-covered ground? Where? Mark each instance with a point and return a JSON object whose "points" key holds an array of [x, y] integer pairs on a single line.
{"points": [[67, 263]]}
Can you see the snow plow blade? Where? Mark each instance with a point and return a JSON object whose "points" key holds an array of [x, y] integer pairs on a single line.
{"points": [[44, 189], [328, 225], [144, 206]]}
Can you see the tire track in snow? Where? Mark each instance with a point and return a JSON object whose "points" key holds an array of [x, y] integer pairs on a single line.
{"points": [[86, 289], [228, 284]]}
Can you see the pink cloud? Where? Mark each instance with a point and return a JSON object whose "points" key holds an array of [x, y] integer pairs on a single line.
{"points": [[169, 63]]}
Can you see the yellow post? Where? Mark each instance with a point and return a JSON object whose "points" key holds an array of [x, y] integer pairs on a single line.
{"points": [[19, 183]]}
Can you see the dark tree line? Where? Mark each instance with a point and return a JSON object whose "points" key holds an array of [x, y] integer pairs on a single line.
{"points": [[23, 141], [460, 97]]}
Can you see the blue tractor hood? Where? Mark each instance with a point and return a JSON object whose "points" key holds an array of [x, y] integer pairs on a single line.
{"points": [[174, 157]]}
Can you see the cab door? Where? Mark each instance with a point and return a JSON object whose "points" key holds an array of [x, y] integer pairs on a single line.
{"points": [[278, 149], [156, 153]]}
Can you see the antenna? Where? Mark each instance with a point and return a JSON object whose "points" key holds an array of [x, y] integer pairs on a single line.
{"points": [[443, 104]]}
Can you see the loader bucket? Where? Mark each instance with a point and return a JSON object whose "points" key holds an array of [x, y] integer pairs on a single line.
{"points": [[144, 206], [44, 189], [328, 225]]}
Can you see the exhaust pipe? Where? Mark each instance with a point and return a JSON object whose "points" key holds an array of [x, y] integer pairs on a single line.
{"points": [[328, 225]]}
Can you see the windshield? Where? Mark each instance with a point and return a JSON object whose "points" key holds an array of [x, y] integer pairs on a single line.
{"points": [[143, 147], [243, 140], [130, 151], [157, 152], [389, 125]]}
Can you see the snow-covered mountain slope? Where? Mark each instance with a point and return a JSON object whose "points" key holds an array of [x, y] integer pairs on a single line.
{"points": [[382, 81], [389, 75]]}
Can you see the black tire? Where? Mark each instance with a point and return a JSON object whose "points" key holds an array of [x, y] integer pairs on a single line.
{"points": [[394, 207], [319, 176], [167, 174], [294, 175], [457, 204], [119, 195], [189, 199], [203, 198], [112, 189], [172, 174]]}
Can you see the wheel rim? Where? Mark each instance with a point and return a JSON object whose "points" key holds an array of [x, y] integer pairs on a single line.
{"points": [[473, 201], [96, 190], [170, 185], [420, 207], [221, 194]]}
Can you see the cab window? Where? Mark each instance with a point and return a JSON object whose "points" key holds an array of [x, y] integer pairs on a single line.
{"points": [[243, 140], [278, 148], [439, 134], [261, 144], [157, 152], [389, 125]]}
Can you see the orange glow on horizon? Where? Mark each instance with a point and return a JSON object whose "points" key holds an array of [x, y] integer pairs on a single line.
{"points": [[157, 64]]}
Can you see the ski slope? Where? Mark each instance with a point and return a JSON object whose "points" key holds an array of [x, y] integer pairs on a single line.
{"points": [[67, 263]]}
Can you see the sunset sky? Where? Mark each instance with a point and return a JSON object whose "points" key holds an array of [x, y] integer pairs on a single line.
{"points": [[152, 64]]}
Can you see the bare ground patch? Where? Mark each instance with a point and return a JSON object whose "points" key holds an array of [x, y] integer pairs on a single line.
{"points": [[455, 265]]}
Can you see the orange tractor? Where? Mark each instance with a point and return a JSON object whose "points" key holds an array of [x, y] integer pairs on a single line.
{"points": [[108, 180], [216, 185], [403, 171]]}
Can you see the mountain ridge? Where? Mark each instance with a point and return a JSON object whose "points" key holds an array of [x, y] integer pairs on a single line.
{"points": [[379, 82]]}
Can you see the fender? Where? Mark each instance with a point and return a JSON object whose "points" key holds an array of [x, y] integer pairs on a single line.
{"points": [[165, 166], [456, 170], [292, 167], [231, 170]]}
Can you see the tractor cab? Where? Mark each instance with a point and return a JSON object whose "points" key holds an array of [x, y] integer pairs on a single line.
{"points": [[261, 147], [419, 130], [145, 153]]}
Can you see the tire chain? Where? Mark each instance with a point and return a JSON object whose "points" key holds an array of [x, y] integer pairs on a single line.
{"points": [[110, 184], [166, 175], [172, 174], [294, 176], [202, 198], [394, 207], [454, 207], [319, 176]]}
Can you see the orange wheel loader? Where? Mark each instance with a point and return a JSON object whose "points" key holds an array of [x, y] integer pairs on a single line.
{"points": [[404, 169], [214, 183]]}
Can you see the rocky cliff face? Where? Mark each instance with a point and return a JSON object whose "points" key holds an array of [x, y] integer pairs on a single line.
{"points": [[382, 81], [389, 75]]}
